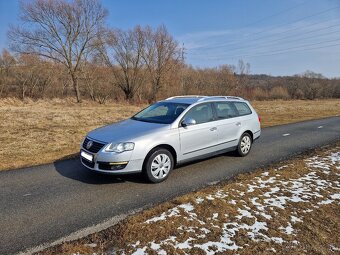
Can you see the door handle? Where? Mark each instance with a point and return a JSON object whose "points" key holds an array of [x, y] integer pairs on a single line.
{"points": [[238, 124], [213, 128]]}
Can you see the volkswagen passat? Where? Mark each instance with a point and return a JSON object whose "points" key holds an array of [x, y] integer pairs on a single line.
{"points": [[170, 132]]}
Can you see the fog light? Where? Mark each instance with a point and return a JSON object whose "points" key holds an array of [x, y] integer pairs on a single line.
{"points": [[118, 166], [112, 165]]}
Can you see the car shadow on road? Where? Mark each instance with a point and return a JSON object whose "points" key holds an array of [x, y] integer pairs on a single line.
{"points": [[73, 169]]}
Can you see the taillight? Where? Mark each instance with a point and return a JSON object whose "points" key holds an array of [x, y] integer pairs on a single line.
{"points": [[259, 119]]}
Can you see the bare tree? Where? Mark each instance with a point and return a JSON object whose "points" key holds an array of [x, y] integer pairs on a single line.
{"points": [[63, 31], [243, 68], [123, 55], [97, 80], [33, 76], [160, 54], [7, 62]]}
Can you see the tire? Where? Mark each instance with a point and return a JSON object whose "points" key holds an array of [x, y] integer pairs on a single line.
{"points": [[244, 145], [158, 165]]}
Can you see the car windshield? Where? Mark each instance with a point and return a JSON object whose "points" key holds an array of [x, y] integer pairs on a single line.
{"points": [[162, 112]]}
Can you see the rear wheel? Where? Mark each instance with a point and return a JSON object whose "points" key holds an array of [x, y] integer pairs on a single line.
{"points": [[244, 145], [158, 165]]}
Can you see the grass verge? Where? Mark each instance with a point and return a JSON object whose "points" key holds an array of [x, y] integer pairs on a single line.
{"points": [[290, 208], [33, 133]]}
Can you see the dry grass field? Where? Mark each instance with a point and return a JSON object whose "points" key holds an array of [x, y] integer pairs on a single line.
{"points": [[39, 132], [289, 208]]}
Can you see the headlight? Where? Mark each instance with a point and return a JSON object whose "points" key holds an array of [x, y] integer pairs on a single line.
{"points": [[119, 147]]}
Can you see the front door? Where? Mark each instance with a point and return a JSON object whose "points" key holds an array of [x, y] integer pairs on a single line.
{"points": [[201, 138]]}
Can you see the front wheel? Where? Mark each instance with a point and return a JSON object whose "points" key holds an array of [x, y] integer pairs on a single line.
{"points": [[244, 145], [158, 165]]}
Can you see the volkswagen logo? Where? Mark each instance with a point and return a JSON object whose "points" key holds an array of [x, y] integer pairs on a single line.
{"points": [[89, 144]]}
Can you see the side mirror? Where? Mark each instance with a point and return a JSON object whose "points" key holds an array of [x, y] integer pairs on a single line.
{"points": [[188, 122]]}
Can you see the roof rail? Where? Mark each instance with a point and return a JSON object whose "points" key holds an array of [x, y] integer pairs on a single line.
{"points": [[222, 97], [233, 97], [206, 98], [186, 96]]}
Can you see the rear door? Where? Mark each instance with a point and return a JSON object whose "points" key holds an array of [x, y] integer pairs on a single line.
{"points": [[201, 138], [228, 124]]}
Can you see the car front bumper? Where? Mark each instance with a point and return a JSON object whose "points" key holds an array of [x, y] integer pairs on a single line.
{"points": [[121, 163]]}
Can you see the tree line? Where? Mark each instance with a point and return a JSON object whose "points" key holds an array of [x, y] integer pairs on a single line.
{"points": [[64, 48]]}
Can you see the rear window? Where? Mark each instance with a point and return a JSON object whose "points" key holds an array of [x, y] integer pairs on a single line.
{"points": [[242, 108], [225, 110]]}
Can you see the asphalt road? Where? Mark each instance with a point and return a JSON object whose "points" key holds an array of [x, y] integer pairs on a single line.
{"points": [[44, 203]]}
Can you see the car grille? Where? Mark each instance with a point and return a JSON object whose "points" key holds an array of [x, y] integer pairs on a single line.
{"points": [[88, 163], [96, 146]]}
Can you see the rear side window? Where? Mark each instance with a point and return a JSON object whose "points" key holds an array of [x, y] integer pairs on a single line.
{"points": [[242, 108], [225, 110]]}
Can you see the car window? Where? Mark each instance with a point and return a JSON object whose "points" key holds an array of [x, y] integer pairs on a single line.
{"points": [[201, 113], [225, 110], [242, 108], [161, 112]]}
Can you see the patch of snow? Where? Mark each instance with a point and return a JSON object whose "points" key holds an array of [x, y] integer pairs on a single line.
{"points": [[251, 188], [282, 167], [187, 207], [272, 191], [267, 216], [206, 231], [288, 230], [233, 202], [243, 213], [185, 244], [92, 245], [199, 200], [210, 197], [278, 240], [140, 251], [326, 202], [334, 248], [157, 247], [170, 213], [295, 219], [335, 196]]}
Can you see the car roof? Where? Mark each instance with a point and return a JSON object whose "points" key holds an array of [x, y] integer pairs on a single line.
{"points": [[192, 99]]}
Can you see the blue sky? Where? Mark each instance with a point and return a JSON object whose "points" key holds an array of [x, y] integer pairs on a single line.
{"points": [[276, 37]]}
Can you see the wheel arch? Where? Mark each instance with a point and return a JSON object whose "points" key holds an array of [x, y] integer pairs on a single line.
{"points": [[250, 133], [162, 146]]}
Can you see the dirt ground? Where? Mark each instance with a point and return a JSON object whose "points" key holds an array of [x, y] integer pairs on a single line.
{"points": [[39, 132], [290, 208]]}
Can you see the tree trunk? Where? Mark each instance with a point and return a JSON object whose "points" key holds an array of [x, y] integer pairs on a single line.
{"points": [[128, 94], [76, 87], [23, 90]]}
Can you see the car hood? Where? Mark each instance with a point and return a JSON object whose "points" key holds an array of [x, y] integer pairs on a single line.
{"points": [[125, 131]]}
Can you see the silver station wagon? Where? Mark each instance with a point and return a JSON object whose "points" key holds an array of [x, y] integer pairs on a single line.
{"points": [[171, 132]]}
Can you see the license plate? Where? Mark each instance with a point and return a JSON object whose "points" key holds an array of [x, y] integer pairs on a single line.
{"points": [[86, 156]]}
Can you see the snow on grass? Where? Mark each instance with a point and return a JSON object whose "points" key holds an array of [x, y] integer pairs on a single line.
{"points": [[264, 209]]}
